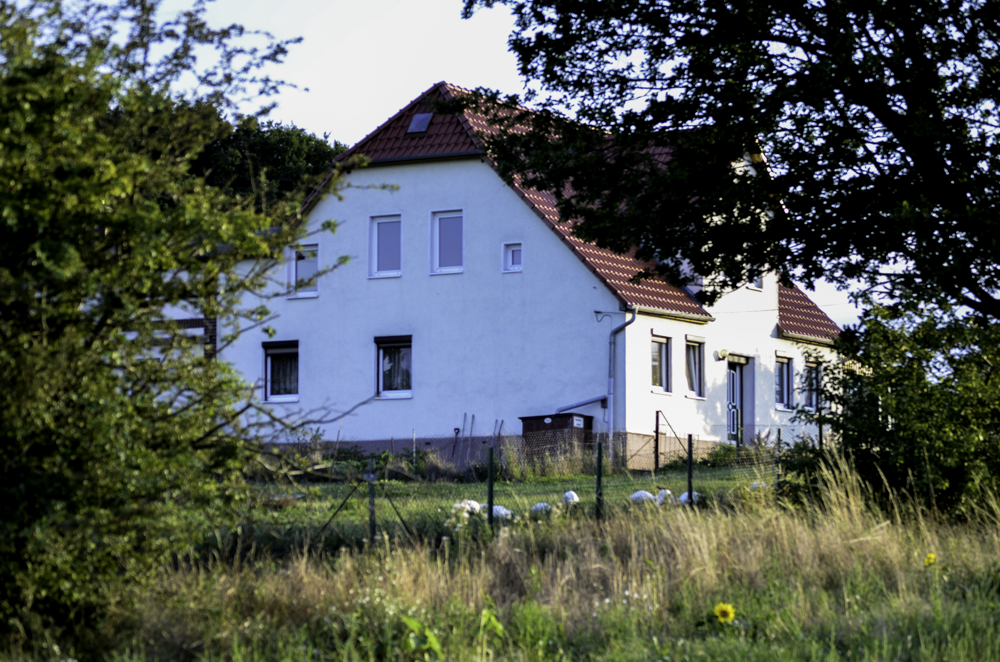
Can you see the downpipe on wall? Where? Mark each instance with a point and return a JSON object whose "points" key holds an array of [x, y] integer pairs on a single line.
{"points": [[611, 377]]}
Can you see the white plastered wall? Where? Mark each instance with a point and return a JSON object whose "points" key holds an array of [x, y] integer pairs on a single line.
{"points": [[486, 343], [745, 325]]}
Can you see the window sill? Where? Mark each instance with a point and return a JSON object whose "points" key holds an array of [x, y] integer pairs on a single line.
{"points": [[782, 408], [392, 274], [447, 273], [660, 391], [304, 295], [395, 395], [755, 289], [694, 396], [512, 271], [281, 400]]}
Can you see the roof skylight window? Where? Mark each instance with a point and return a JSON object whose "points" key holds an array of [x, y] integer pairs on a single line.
{"points": [[420, 122]]}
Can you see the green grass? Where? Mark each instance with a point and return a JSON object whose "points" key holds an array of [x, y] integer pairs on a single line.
{"points": [[425, 505], [837, 580]]}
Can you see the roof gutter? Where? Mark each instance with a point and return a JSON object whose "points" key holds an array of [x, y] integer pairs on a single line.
{"points": [[801, 337], [669, 314]]}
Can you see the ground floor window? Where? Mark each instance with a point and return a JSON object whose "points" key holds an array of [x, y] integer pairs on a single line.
{"points": [[783, 383], [660, 361], [281, 371], [394, 372], [694, 368]]}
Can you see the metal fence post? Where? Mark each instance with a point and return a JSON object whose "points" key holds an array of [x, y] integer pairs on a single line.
{"points": [[691, 470], [489, 487], [656, 445], [371, 500], [599, 511], [777, 470]]}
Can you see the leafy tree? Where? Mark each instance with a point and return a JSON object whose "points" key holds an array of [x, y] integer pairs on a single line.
{"points": [[118, 428], [878, 119], [916, 405], [266, 161]]}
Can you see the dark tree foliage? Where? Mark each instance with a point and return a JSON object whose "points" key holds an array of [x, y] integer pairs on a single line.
{"points": [[877, 119], [916, 404], [265, 161], [119, 432]]}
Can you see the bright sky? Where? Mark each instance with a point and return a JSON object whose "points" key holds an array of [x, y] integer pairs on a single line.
{"points": [[363, 61]]}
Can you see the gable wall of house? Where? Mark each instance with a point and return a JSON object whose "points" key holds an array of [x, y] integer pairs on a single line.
{"points": [[486, 343]]}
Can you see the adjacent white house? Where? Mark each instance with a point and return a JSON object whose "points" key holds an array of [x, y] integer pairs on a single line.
{"points": [[465, 296]]}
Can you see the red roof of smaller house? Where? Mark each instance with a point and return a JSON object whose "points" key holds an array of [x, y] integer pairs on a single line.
{"points": [[799, 316]]}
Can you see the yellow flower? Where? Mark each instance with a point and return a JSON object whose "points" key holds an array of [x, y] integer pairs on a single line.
{"points": [[724, 612], [930, 559]]}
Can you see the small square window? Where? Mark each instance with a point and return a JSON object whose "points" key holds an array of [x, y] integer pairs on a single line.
{"points": [[783, 383], [385, 259], [304, 269], [446, 243], [512, 258], [757, 283], [660, 361], [281, 371], [694, 360], [394, 373]]}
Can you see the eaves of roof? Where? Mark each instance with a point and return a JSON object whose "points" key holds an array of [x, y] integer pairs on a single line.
{"points": [[800, 319]]}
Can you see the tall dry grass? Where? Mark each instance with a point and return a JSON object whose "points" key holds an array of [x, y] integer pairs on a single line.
{"points": [[840, 572]]}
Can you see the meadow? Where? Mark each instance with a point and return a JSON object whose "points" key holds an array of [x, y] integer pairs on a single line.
{"points": [[746, 577]]}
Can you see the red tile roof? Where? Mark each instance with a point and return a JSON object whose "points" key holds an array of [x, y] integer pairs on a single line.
{"points": [[799, 317], [457, 136]]}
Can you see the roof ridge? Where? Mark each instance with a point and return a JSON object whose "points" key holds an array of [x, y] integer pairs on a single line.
{"points": [[357, 146]]}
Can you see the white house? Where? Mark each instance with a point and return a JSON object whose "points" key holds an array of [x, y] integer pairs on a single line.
{"points": [[464, 296]]}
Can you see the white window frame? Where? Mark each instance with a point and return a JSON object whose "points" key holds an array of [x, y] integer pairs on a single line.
{"points": [[784, 368], [293, 273], [757, 283], [374, 222], [662, 346], [391, 342], [436, 267], [508, 254], [272, 349], [698, 379]]}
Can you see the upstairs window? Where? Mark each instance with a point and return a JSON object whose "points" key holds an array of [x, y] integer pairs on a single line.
{"points": [[446, 243], [304, 269], [512, 259], [394, 374], [281, 371], [660, 362], [385, 247], [783, 383]]}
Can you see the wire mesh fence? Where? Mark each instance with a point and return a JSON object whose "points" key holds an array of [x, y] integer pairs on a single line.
{"points": [[410, 486]]}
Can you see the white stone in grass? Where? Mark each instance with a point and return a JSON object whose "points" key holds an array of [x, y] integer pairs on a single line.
{"points": [[642, 496], [541, 508], [664, 496], [499, 512], [571, 498], [758, 485], [685, 498]]}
